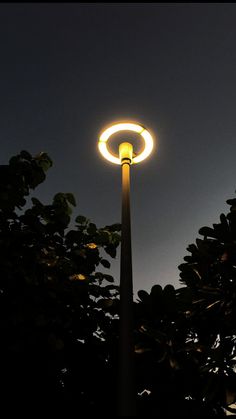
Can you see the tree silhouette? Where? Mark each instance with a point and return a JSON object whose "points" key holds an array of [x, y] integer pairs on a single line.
{"points": [[59, 313], [185, 338], [210, 274], [54, 325]]}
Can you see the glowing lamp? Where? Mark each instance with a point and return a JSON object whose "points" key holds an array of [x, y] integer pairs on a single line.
{"points": [[145, 134]]}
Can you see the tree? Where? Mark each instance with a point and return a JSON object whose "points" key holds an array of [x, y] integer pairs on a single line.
{"points": [[210, 274], [59, 314], [56, 309], [185, 338]]}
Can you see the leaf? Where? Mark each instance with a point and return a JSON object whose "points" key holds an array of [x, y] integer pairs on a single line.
{"points": [[59, 198], [169, 289], [105, 263], [80, 219], [115, 239], [71, 199], [36, 177], [143, 295], [25, 155], [108, 278], [103, 237], [224, 221], [36, 202], [92, 229], [110, 250], [156, 293], [169, 298], [207, 232], [232, 202], [113, 227], [44, 161]]}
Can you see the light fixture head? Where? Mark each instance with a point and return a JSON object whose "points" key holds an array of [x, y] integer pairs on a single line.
{"points": [[145, 134]]}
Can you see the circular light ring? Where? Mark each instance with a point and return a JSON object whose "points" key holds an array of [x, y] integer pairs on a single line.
{"points": [[148, 141]]}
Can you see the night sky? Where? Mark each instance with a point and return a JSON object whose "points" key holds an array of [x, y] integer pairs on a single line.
{"points": [[69, 70]]}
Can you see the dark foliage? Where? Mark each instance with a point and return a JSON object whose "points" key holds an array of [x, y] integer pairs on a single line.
{"points": [[55, 321], [59, 313], [186, 338]]}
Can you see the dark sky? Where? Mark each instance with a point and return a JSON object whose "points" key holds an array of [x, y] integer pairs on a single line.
{"points": [[68, 70]]}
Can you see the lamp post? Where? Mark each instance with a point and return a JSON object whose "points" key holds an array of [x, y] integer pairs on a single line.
{"points": [[126, 348]]}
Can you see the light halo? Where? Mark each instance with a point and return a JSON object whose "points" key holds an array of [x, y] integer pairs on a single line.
{"points": [[125, 126]]}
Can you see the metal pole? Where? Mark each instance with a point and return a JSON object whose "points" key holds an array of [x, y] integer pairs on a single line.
{"points": [[126, 382]]}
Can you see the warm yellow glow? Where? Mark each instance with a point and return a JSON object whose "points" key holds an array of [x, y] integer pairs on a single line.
{"points": [[148, 147], [91, 246], [126, 152], [102, 144], [104, 151], [77, 277]]}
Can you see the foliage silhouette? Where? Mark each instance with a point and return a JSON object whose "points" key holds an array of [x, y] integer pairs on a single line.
{"points": [[59, 313], [185, 338], [210, 273], [54, 324]]}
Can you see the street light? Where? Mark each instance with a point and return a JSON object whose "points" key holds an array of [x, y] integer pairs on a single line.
{"points": [[125, 159]]}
